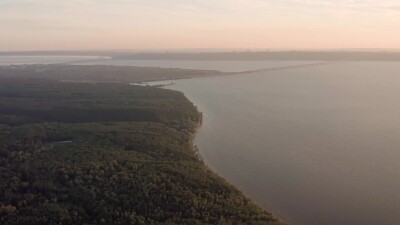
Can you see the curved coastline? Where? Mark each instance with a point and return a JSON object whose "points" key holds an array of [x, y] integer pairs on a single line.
{"points": [[151, 147], [283, 127], [245, 205], [197, 150], [230, 172]]}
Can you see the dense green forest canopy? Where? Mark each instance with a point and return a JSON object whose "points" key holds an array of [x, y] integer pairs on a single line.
{"points": [[107, 153], [101, 73]]}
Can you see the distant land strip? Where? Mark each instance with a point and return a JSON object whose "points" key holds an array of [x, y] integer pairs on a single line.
{"points": [[349, 55], [267, 55], [285, 67], [126, 74]]}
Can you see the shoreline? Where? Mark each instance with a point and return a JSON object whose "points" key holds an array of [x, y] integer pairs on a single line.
{"points": [[197, 151], [68, 69], [171, 139], [276, 219], [143, 159]]}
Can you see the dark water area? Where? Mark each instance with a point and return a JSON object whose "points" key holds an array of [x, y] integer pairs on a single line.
{"points": [[316, 145]]}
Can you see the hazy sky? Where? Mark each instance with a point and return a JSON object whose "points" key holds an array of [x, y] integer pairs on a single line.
{"points": [[177, 24]]}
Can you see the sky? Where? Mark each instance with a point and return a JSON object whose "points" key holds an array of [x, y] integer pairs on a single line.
{"points": [[198, 24]]}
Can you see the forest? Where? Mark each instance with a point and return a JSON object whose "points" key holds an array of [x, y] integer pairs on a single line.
{"points": [[101, 73], [107, 153]]}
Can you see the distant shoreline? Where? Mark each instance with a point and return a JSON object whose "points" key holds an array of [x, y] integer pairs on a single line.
{"points": [[293, 55]]}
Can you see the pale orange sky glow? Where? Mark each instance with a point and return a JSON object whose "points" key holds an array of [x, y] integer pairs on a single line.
{"points": [[179, 24]]}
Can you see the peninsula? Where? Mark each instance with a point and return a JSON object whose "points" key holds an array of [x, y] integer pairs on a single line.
{"points": [[107, 152]]}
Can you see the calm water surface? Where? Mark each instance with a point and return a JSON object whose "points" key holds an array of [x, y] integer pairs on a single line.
{"points": [[316, 145]]}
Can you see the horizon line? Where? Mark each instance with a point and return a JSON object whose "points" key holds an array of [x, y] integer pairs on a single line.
{"points": [[209, 50]]}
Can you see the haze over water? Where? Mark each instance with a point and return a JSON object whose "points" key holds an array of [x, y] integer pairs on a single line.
{"points": [[315, 145]]}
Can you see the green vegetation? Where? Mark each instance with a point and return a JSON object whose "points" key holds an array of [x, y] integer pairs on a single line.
{"points": [[97, 153], [101, 73]]}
